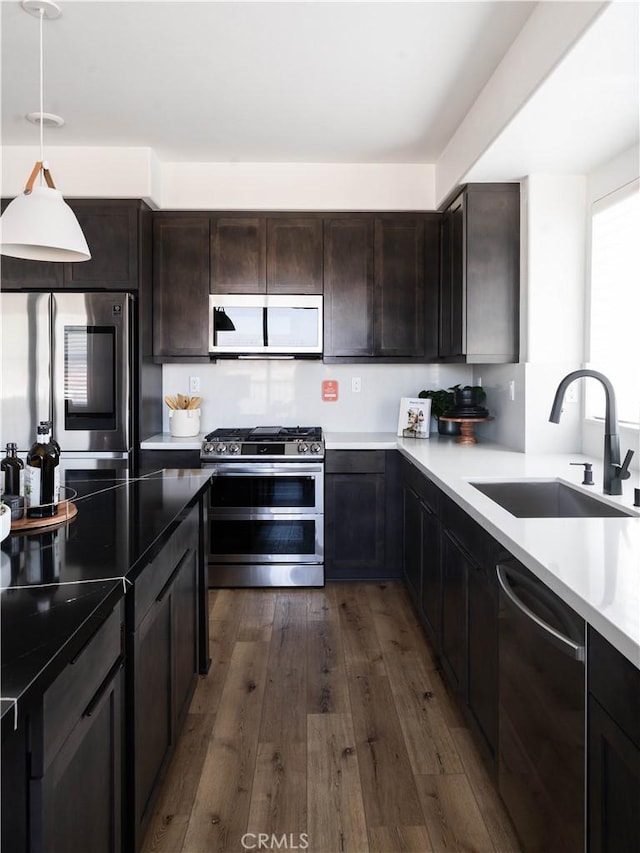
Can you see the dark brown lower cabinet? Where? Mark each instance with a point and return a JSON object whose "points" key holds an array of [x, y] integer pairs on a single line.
{"points": [[613, 749], [360, 531], [163, 666], [77, 739], [82, 788], [412, 542], [453, 632], [482, 687]]}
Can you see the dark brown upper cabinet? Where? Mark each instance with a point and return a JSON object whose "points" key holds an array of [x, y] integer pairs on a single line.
{"points": [[399, 287], [180, 286], [348, 287], [294, 255], [381, 287], [111, 228], [480, 280], [238, 254]]}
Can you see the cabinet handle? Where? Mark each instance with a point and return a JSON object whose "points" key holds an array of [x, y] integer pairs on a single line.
{"points": [[93, 703], [90, 640], [172, 577]]}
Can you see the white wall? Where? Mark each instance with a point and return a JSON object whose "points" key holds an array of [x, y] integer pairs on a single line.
{"points": [[239, 393], [137, 173]]}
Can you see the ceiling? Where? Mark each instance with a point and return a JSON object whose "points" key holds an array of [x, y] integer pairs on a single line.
{"points": [[585, 113], [256, 82], [314, 82]]}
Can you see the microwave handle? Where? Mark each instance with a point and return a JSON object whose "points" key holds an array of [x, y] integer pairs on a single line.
{"points": [[266, 357]]}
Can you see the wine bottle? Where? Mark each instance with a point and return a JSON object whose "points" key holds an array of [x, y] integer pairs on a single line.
{"points": [[49, 424], [40, 476], [12, 471]]}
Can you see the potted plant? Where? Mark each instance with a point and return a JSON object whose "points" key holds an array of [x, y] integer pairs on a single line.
{"points": [[441, 401]]}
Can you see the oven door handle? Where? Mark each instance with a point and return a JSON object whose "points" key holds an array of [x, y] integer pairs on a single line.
{"points": [[258, 471]]}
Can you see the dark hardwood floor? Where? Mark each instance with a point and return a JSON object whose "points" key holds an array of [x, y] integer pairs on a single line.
{"points": [[324, 725]]}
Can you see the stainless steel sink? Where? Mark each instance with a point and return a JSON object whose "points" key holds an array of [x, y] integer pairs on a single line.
{"points": [[547, 499]]}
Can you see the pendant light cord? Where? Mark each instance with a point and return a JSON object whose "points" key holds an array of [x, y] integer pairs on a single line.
{"points": [[41, 95]]}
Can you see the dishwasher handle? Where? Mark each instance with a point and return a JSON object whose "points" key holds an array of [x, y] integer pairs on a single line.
{"points": [[560, 641]]}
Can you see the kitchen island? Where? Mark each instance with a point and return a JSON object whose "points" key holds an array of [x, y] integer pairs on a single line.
{"points": [[74, 600]]}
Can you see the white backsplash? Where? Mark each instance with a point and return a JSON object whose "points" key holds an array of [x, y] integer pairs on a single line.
{"points": [[288, 393]]}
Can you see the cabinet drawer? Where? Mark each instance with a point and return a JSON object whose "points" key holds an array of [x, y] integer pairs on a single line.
{"points": [[355, 462], [468, 533], [615, 682], [67, 698], [155, 576]]}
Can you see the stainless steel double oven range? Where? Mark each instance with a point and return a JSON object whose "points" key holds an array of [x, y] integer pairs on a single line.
{"points": [[266, 506]]}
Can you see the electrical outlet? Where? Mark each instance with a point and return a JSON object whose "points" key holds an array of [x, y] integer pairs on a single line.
{"points": [[571, 395], [356, 384], [194, 384]]}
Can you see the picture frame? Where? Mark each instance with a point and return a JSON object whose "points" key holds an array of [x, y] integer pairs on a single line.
{"points": [[414, 417]]}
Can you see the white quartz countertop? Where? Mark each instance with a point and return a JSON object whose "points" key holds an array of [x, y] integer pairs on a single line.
{"points": [[591, 563], [166, 441]]}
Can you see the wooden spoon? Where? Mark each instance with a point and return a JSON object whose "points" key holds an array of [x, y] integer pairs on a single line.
{"points": [[194, 402], [171, 402], [183, 402]]}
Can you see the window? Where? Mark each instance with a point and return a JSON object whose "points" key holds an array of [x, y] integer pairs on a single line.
{"points": [[614, 323]]}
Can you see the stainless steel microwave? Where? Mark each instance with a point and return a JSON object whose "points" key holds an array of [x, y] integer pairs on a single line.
{"points": [[265, 326]]}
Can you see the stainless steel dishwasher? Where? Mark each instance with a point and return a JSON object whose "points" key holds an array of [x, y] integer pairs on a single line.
{"points": [[541, 713]]}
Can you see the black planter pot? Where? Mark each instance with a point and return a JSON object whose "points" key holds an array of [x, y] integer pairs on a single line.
{"points": [[464, 398], [448, 427]]}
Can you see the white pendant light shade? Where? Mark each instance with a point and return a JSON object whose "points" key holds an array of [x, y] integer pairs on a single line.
{"points": [[41, 226]]}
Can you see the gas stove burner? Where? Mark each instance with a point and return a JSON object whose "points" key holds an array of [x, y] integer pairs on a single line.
{"points": [[263, 442]]}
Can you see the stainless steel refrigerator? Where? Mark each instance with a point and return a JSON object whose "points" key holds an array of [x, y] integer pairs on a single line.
{"points": [[67, 358]]}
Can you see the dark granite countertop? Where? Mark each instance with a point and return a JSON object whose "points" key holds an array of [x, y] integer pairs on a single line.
{"points": [[58, 585]]}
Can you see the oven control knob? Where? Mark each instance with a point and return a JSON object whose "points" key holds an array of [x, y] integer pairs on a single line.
{"points": [[234, 448], [315, 448], [221, 448], [303, 447], [208, 447]]}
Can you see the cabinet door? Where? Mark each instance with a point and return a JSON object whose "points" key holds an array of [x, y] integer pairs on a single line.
{"points": [[238, 254], [399, 288], [613, 785], [452, 304], [16, 274], [294, 255], [180, 286], [81, 791], [454, 613], [354, 526], [492, 272], [348, 287], [482, 693], [431, 578], [184, 632], [111, 232], [152, 733], [412, 543]]}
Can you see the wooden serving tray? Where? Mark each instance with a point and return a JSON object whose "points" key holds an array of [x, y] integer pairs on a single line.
{"points": [[66, 511]]}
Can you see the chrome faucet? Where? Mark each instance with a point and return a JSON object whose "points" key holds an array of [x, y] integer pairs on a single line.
{"points": [[614, 472]]}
